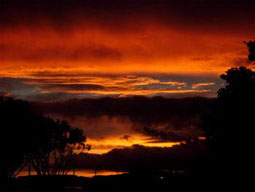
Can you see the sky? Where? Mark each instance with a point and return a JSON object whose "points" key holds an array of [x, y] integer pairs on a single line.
{"points": [[59, 50], [56, 50]]}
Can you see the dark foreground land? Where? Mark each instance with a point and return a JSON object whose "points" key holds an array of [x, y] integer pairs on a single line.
{"points": [[146, 181]]}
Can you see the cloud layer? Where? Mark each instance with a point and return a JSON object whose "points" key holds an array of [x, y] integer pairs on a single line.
{"points": [[121, 122], [48, 87], [57, 42]]}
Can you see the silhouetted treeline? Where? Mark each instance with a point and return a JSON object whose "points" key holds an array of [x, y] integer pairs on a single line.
{"points": [[30, 139], [229, 128], [251, 46], [182, 157]]}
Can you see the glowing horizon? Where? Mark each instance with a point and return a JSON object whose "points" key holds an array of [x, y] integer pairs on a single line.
{"points": [[101, 146]]}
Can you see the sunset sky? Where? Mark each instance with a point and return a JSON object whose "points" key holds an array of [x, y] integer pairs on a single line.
{"points": [[55, 50]]}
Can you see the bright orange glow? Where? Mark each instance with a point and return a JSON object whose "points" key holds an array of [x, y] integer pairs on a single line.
{"points": [[105, 145], [80, 173], [113, 60], [155, 50]]}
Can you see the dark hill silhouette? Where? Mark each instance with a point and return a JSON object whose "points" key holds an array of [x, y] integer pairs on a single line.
{"points": [[182, 157]]}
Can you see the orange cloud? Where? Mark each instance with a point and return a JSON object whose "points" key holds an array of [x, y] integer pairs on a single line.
{"points": [[95, 42], [197, 85], [156, 49]]}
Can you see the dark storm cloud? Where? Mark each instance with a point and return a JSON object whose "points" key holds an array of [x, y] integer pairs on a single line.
{"points": [[164, 135], [216, 15], [53, 96], [159, 118], [71, 87], [29, 89], [16, 86]]}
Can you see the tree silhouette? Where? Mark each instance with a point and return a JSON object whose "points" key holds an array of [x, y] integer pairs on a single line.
{"points": [[230, 126], [16, 130], [29, 138], [251, 47], [53, 153]]}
